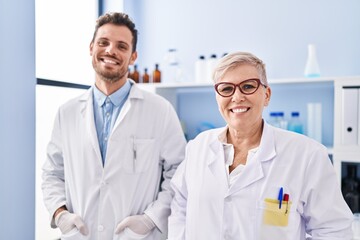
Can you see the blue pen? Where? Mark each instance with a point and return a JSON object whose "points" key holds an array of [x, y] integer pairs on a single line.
{"points": [[280, 197]]}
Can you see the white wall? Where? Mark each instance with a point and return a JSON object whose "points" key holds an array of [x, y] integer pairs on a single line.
{"points": [[277, 31]]}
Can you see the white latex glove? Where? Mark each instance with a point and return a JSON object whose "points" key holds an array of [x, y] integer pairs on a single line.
{"points": [[140, 224], [66, 222]]}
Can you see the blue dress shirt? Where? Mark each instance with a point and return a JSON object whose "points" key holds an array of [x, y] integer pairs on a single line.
{"points": [[106, 111]]}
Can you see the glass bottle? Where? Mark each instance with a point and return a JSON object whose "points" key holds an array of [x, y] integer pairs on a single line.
{"points": [[274, 119], [312, 67], [295, 124], [172, 67], [350, 188], [145, 76], [282, 121], [135, 75], [156, 76]]}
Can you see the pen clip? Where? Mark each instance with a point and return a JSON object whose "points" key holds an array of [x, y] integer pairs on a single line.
{"points": [[134, 153], [280, 196]]}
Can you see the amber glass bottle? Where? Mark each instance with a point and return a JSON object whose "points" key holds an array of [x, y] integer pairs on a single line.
{"points": [[156, 74], [135, 75], [145, 76]]}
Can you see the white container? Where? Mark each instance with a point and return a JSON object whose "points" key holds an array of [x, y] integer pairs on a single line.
{"points": [[314, 121], [210, 66], [201, 70], [312, 67]]}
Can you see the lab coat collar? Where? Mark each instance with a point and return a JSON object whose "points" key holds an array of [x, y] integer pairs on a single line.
{"points": [[253, 171], [267, 148], [215, 159], [135, 93], [266, 151]]}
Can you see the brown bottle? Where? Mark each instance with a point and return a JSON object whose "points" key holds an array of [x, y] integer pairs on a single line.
{"points": [[145, 76], [135, 74], [156, 74]]}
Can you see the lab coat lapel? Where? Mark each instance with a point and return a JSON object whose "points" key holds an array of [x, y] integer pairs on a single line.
{"points": [[134, 93], [87, 112], [216, 163], [254, 170]]}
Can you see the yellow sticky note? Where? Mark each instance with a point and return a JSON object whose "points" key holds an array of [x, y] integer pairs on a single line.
{"points": [[273, 215]]}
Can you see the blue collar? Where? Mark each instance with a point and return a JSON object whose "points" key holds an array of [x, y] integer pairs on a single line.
{"points": [[116, 98]]}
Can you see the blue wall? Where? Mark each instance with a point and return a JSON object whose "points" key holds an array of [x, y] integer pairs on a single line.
{"points": [[277, 31], [17, 119]]}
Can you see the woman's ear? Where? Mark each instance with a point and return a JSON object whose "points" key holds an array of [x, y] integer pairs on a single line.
{"points": [[267, 96]]}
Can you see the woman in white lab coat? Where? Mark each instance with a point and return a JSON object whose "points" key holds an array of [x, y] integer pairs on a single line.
{"points": [[250, 180]]}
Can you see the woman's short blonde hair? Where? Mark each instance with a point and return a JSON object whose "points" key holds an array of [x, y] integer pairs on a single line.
{"points": [[232, 60]]}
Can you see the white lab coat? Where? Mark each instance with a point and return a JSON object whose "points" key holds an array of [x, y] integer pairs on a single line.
{"points": [[146, 144], [205, 207]]}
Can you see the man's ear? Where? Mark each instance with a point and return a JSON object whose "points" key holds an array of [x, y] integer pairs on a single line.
{"points": [[133, 58], [91, 48]]}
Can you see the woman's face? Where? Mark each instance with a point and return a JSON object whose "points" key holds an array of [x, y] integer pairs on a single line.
{"points": [[240, 111]]}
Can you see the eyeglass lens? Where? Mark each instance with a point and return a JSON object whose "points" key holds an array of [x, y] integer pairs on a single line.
{"points": [[246, 87]]}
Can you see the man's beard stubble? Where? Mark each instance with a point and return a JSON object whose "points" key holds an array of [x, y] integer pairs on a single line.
{"points": [[109, 76]]}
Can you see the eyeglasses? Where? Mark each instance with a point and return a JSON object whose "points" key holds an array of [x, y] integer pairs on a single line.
{"points": [[247, 87]]}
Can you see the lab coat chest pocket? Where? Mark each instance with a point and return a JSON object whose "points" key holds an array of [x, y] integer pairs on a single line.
{"points": [[279, 221], [143, 154], [132, 155]]}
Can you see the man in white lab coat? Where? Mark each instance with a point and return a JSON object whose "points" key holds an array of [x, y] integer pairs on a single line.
{"points": [[253, 181], [111, 147]]}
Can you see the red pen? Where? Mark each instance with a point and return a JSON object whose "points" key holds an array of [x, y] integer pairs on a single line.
{"points": [[286, 200]]}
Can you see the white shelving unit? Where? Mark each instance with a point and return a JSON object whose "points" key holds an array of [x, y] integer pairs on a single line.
{"points": [[340, 152], [346, 122]]}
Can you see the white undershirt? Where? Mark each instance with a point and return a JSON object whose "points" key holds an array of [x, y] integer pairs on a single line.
{"points": [[229, 159]]}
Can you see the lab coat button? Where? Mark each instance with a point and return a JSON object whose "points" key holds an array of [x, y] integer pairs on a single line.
{"points": [[228, 199], [100, 228]]}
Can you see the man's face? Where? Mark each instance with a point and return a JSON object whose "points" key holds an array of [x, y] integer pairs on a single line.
{"points": [[112, 53]]}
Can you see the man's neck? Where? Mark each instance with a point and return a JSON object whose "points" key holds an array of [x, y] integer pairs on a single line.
{"points": [[109, 88]]}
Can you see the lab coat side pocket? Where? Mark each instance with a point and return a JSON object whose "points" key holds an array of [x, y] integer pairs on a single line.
{"points": [[73, 235], [275, 216], [127, 234]]}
